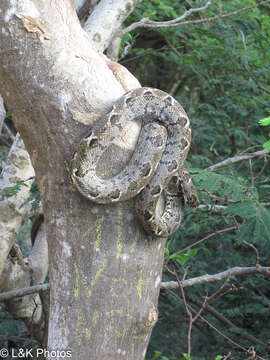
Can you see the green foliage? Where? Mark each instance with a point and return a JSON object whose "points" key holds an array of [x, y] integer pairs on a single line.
{"points": [[205, 65], [3, 154], [265, 122], [180, 258], [127, 42], [9, 327], [34, 197], [12, 190], [186, 357]]}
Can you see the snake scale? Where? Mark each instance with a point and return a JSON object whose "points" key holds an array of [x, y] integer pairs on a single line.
{"points": [[155, 172]]}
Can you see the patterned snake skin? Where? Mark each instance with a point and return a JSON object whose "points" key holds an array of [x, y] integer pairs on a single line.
{"points": [[156, 169]]}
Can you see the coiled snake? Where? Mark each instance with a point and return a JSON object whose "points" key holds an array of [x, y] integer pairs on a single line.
{"points": [[156, 168]]}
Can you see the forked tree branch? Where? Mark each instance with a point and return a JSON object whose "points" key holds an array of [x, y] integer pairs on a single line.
{"points": [[146, 22]]}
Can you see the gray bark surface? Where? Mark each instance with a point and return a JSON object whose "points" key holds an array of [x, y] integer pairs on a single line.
{"points": [[17, 167], [105, 271]]}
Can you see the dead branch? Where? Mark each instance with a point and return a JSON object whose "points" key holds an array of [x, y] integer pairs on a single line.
{"points": [[235, 271], [146, 22], [237, 158], [23, 291]]}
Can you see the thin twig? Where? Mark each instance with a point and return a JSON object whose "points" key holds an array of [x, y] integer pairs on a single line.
{"points": [[251, 172], [220, 199], [257, 263], [217, 330], [189, 314], [262, 170], [204, 304], [213, 296], [237, 158], [246, 65], [224, 320], [226, 337], [218, 232], [212, 207]]}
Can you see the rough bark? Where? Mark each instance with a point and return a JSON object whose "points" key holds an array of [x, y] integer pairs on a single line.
{"points": [[18, 273], [84, 7], [105, 271], [78, 4], [2, 113], [102, 32], [17, 167]]}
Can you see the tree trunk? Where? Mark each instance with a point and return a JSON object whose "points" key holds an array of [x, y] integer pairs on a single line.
{"points": [[105, 271]]}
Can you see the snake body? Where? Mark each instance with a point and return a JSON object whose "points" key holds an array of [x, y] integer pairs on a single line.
{"points": [[156, 168]]}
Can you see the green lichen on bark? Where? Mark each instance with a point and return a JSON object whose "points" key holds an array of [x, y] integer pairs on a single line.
{"points": [[119, 230], [79, 324], [77, 276], [98, 226], [139, 285], [134, 242], [88, 333], [95, 317], [93, 282]]}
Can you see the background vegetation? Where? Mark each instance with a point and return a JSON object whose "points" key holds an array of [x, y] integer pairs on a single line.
{"points": [[219, 72]]}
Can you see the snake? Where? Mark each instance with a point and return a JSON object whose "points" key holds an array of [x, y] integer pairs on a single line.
{"points": [[155, 174]]}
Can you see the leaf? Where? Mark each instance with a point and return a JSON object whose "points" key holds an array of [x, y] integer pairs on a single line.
{"points": [[186, 357], [12, 190], [34, 197], [183, 258], [265, 121], [157, 355], [266, 145]]}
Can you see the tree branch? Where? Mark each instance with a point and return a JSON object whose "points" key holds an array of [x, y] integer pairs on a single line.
{"points": [[237, 158], [146, 22], [235, 271], [106, 20], [23, 291]]}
